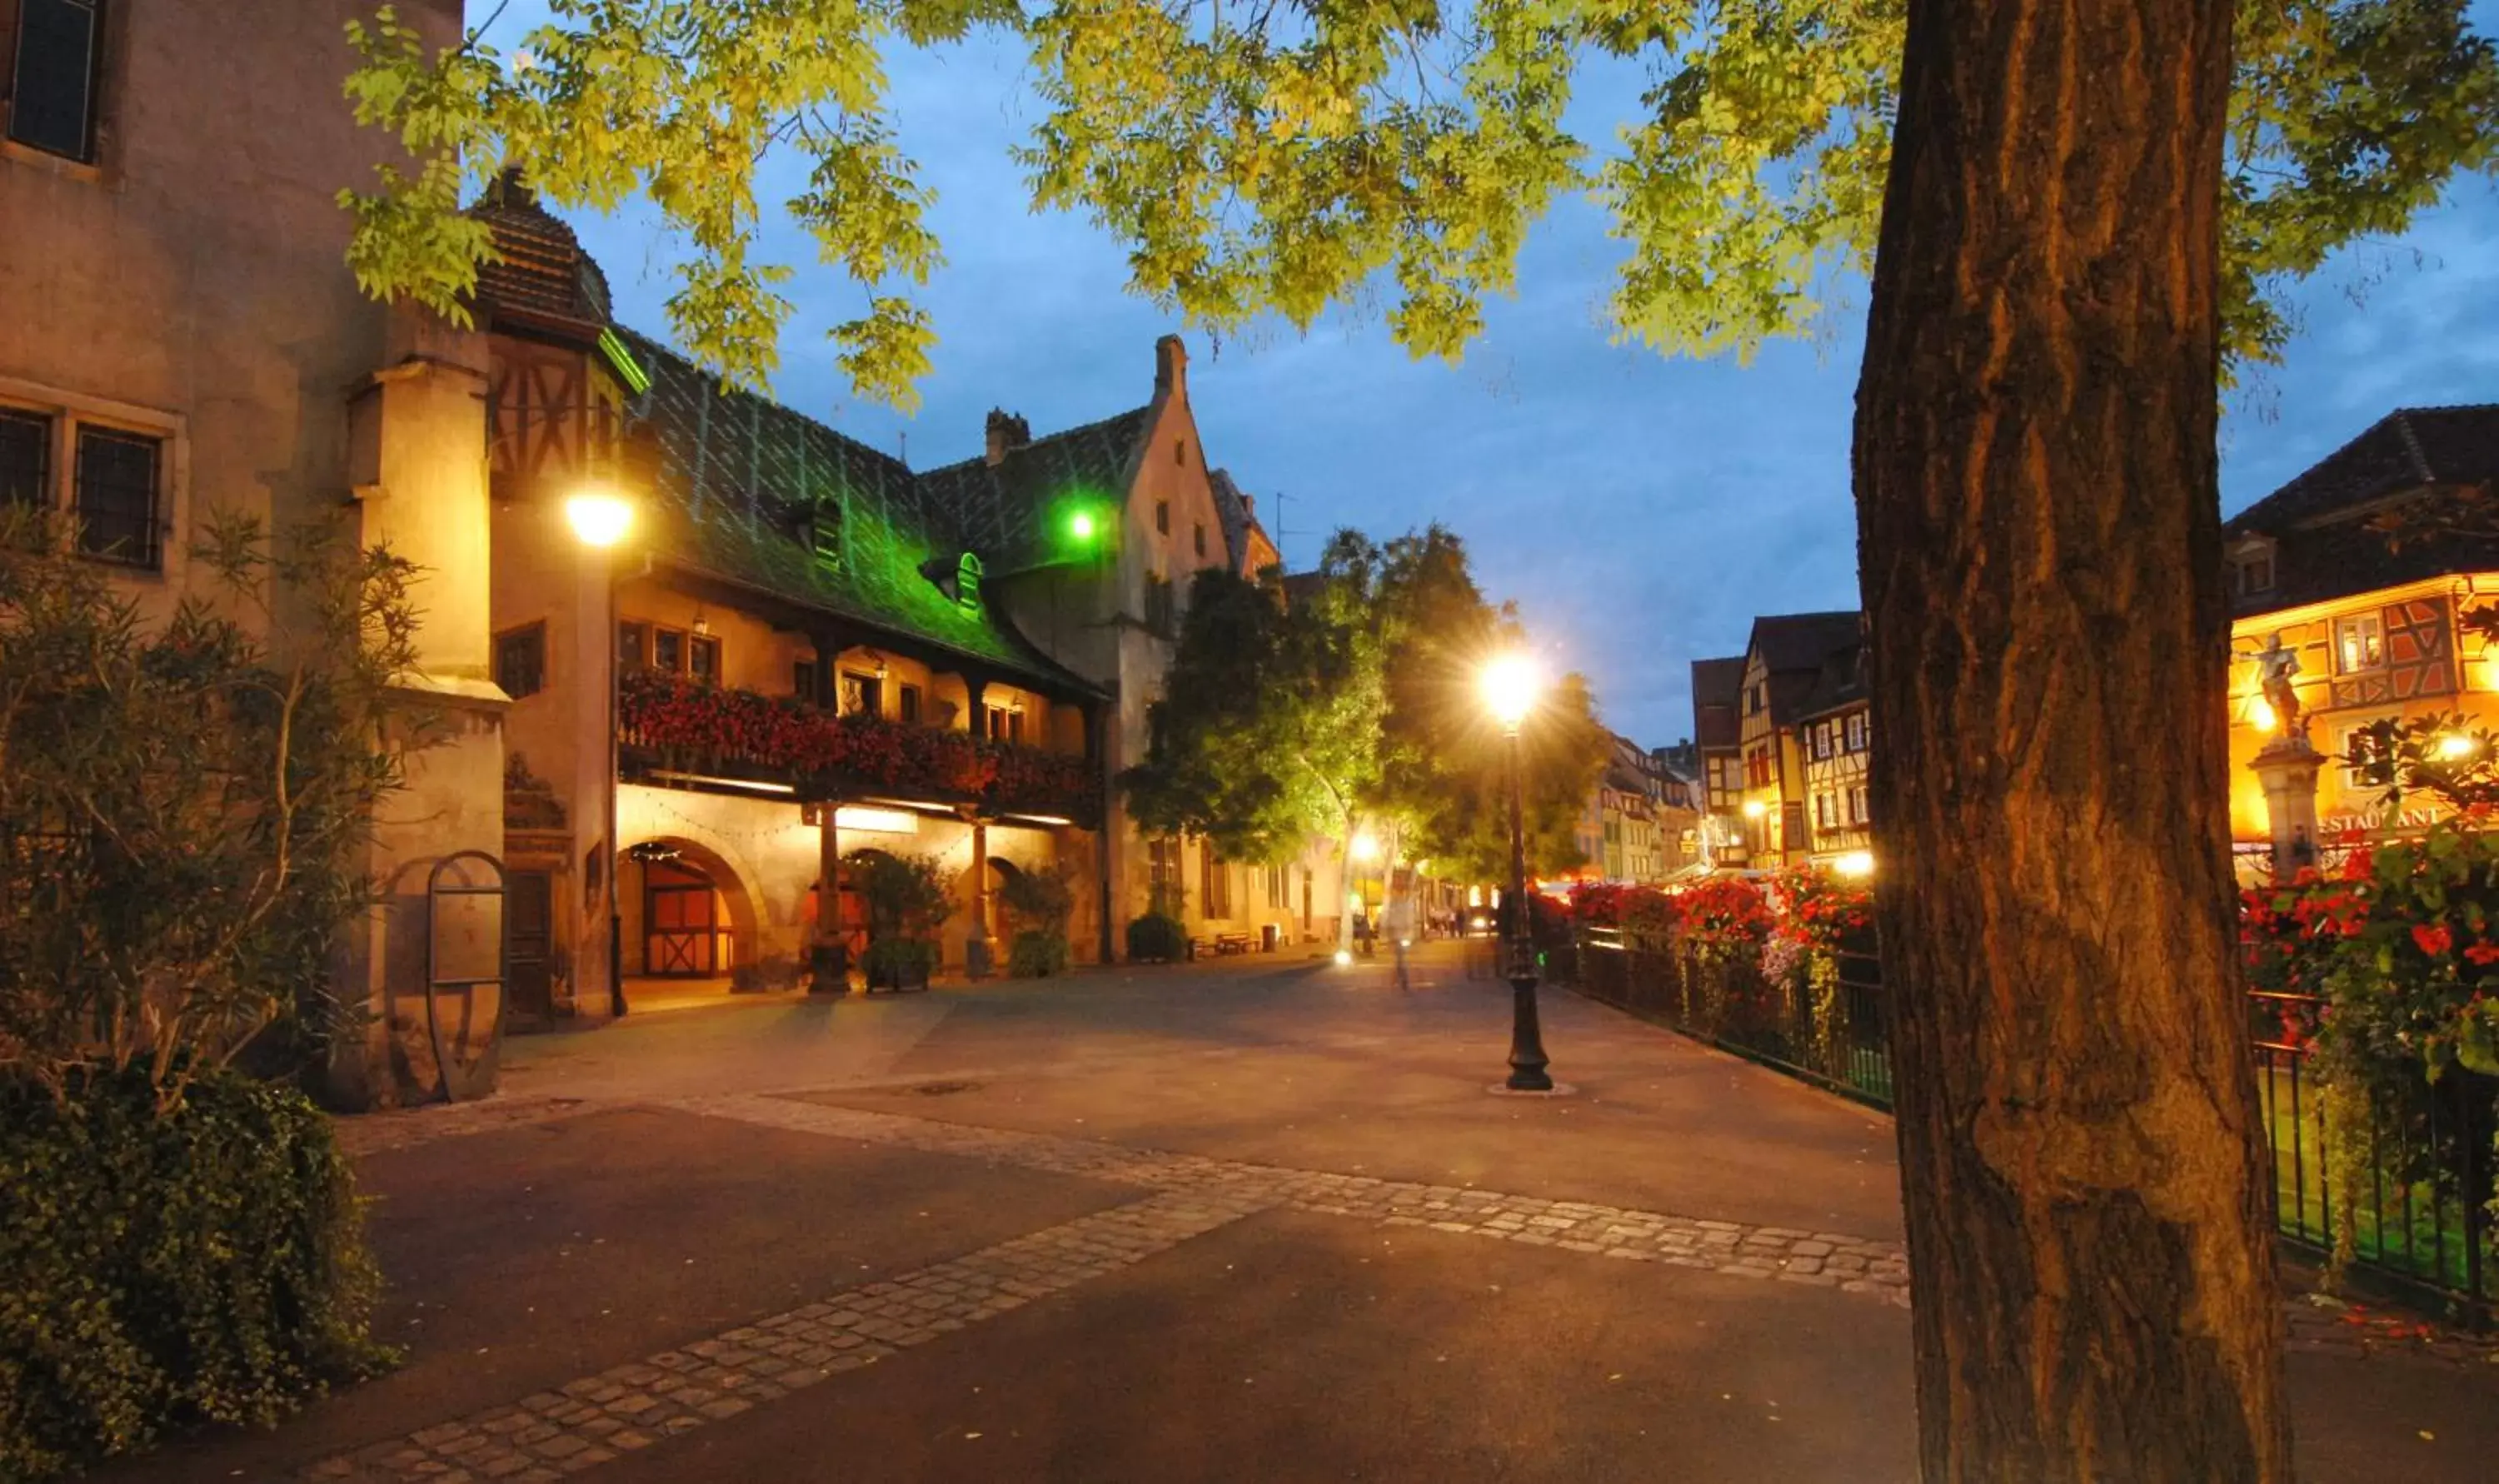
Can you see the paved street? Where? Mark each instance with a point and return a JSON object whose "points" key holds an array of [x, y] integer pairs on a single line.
{"points": [[1252, 1220]]}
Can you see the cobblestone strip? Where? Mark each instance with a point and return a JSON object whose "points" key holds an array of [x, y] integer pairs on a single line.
{"points": [[598, 1418], [1784, 1255]]}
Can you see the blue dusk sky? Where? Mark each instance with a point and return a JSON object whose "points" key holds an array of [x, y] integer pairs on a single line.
{"points": [[1639, 511]]}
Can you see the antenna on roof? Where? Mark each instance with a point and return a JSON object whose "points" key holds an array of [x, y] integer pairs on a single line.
{"points": [[902, 447], [1283, 530]]}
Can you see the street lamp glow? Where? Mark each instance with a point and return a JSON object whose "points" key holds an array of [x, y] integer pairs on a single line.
{"points": [[1366, 846], [1344, 959], [1754, 809], [2455, 746], [2260, 712], [1081, 525], [1856, 864], [1510, 688], [599, 518]]}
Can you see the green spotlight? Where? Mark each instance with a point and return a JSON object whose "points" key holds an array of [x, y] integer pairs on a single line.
{"points": [[1081, 525]]}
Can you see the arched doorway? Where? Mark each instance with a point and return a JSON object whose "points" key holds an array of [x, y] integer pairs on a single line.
{"points": [[1003, 876], [688, 913]]}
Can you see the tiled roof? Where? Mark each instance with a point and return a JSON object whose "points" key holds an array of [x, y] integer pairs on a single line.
{"points": [[1841, 685], [543, 276], [1717, 696], [1004, 510], [1796, 648], [739, 476], [2324, 546], [1234, 511], [2402, 451]]}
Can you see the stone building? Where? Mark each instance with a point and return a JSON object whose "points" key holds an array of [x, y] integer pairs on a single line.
{"points": [[2379, 628], [182, 335]]}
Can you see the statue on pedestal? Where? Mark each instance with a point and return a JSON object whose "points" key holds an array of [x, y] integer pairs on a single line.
{"points": [[2275, 666]]}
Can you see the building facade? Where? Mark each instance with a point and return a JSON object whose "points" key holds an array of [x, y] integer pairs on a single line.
{"points": [[1787, 665], [1718, 746], [2377, 627], [182, 337]]}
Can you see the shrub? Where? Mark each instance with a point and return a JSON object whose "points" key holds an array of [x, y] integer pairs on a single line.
{"points": [[1156, 937], [1037, 953], [900, 964], [202, 1262]]}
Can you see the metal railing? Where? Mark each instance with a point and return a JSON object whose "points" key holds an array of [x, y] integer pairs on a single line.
{"points": [[2420, 1214]]}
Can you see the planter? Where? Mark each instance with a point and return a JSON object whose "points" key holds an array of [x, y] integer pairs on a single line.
{"points": [[899, 964]]}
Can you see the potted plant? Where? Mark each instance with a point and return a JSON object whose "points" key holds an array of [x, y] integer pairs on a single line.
{"points": [[906, 901]]}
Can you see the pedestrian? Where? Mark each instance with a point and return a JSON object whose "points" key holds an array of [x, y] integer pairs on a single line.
{"points": [[1401, 932]]}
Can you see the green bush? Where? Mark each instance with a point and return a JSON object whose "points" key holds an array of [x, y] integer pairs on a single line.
{"points": [[900, 964], [1037, 955], [1156, 936], [161, 1267]]}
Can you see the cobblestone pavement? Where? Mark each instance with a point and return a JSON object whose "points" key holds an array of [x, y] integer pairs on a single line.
{"points": [[599, 1417]]}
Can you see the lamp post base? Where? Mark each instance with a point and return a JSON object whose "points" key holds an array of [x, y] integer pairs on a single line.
{"points": [[1527, 1061]]}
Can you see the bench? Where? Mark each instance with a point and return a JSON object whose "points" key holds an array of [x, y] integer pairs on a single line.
{"points": [[1234, 943]]}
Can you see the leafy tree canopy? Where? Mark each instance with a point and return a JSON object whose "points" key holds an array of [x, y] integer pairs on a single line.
{"points": [[1266, 157], [1357, 700]]}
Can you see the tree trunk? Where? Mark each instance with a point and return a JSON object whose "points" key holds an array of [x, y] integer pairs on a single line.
{"points": [[2087, 1189]]}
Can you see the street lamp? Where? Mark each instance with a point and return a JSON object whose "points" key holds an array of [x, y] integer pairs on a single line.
{"points": [[1511, 686], [600, 519]]}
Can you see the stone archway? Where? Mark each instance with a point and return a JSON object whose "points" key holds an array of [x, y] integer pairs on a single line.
{"points": [[689, 913]]}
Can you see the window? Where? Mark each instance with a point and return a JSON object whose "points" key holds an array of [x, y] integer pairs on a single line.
{"points": [[1857, 811], [824, 529], [1821, 740], [1201, 538], [25, 459], [803, 681], [862, 695], [1857, 732], [1163, 874], [1275, 881], [702, 658], [1162, 516], [117, 497], [909, 696], [1218, 890], [2354, 742], [632, 645], [53, 84], [1753, 699], [520, 661], [668, 650], [2252, 574], [1822, 810], [968, 581], [1159, 604], [1179, 450], [2360, 642]]}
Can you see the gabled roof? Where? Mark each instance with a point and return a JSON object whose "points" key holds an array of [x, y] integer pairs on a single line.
{"points": [[1239, 518], [2408, 449], [1840, 687], [1796, 648], [541, 277], [1718, 697], [2324, 546], [738, 476], [1003, 510]]}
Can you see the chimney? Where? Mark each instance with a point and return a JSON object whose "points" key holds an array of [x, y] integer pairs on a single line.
{"points": [[1006, 432], [1249, 505], [1171, 365]]}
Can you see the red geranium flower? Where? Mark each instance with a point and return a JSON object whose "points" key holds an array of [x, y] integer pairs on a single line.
{"points": [[2434, 941]]}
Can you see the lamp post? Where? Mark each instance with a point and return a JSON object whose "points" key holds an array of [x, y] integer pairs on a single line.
{"points": [[600, 520], [1510, 688]]}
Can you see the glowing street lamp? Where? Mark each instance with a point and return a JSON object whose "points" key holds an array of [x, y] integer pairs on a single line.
{"points": [[2262, 715], [1856, 866], [1511, 687], [1366, 846], [2456, 746], [600, 519], [1754, 809]]}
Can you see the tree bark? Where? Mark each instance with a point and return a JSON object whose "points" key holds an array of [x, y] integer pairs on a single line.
{"points": [[2088, 1194]]}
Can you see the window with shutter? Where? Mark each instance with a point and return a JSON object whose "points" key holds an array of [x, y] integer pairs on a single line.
{"points": [[54, 76], [119, 496]]}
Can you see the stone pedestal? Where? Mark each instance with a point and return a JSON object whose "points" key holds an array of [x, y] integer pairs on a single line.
{"points": [[2287, 768]]}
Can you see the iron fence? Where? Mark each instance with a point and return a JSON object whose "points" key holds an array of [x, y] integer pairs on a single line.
{"points": [[2422, 1181]]}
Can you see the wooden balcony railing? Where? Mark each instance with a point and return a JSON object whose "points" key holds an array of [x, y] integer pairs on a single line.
{"points": [[680, 725]]}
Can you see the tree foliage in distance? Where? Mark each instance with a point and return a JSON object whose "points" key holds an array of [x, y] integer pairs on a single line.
{"points": [[1266, 733], [1286, 158], [185, 806], [1358, 701]]}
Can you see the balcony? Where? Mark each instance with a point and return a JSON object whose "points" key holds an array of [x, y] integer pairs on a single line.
{"points": [[667, 722]]}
